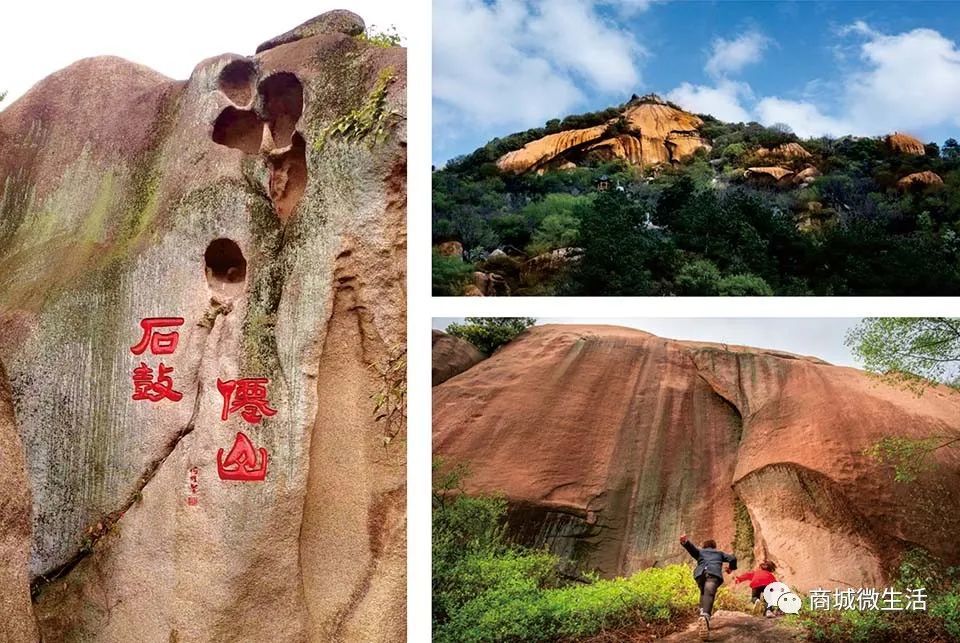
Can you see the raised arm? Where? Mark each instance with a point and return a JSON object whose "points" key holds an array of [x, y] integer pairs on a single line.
{"points": [[689, 546]]}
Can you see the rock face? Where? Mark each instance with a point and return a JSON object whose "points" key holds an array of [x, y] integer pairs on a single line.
{"points": [[229, 203], [452, 356], [19, 623], [924, 178], [610, 442], [905, 144], [648, 132]]}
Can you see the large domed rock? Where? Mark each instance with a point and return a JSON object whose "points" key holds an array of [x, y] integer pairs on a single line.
{"points": [[229, 203], [647, 132], [610, 442]]}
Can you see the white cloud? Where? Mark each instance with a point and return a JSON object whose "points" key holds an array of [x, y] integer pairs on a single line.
{"points": [[912, 81], [907, 82], [518, 63], [804, 118], [731, 56], [722, 101]]}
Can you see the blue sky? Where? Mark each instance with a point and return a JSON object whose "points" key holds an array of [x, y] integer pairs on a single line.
{"points": [[823, 338], [865, 68]]}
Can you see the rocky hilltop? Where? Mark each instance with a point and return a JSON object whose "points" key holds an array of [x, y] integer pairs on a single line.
{"points": [[610, 442], [647, 132], [221, 475]]}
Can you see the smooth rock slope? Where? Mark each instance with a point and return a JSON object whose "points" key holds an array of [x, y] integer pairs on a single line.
{"points": [[610, 442]]}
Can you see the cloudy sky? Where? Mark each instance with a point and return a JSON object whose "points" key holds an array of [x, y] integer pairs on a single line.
{"points": [[852, 67], [38, 37], [821, 338]]}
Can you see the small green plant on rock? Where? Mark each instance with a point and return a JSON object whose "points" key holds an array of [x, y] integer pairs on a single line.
{"points": [[371, 121]]}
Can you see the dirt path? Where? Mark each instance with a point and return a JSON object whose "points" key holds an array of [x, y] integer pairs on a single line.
{"points": [[737, 627]]}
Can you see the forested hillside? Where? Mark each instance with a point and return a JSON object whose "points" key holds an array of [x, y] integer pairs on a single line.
{"points": [[599, 205]]}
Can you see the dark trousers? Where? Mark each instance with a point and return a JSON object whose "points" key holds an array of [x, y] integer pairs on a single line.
{"points": [[709, 584]]}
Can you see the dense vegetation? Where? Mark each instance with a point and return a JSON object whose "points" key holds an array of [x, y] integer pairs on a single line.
{"points": [[490, 333], [487, 589], [701, 228]]}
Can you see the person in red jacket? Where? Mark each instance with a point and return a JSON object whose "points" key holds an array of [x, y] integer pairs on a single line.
{"points": [[759, 579]]}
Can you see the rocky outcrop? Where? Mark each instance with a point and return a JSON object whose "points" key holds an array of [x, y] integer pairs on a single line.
{"points": [[773, 174], [252, 206], [905, 144], [788, 151], [452, 356], [450, 249], [920, 178], [610, 442], [648, 132]]}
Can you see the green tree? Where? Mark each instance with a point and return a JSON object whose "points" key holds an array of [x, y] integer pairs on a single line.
{"points": [[914, 353], [951, 149], [555, 231], [490, 333], [450, 275], [621, 255], [744, 285], [698, 278]]}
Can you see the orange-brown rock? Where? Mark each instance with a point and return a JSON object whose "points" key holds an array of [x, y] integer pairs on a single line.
{"points": [[922, 178], [785, 151], [452, 356], [648, 132], [537, 153], [450, 249], [18, 622], [806, 176], [905, 144], [775, 173], [610, 442]]}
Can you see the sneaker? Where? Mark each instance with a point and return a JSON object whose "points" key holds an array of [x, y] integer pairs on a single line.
{"points": [[703, 627], [758, 607]]}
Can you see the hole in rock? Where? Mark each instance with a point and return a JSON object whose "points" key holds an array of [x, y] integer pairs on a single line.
{"points": [[288, 178], [226, 267], [240, 129], [236, 81], [282, 105]]}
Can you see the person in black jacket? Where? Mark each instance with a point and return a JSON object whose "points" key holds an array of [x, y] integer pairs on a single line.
{"points": [[709, 575]]}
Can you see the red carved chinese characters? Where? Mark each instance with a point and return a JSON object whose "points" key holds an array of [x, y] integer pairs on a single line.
{"points": [[159, 343], [145, 388], [241, 463], [248, 395]]}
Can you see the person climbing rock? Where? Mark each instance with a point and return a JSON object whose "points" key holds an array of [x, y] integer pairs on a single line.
{"points": [[709, 576], [759, 579]]}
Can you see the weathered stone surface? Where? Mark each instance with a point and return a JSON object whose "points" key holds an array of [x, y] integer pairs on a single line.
{"points": [[905, 144], [115, 182], [450, 249], [18, 623], [785, 151], [648, 132], [452, 356], [609, 443], [923, 178], [338, 21], [771, 172]]}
